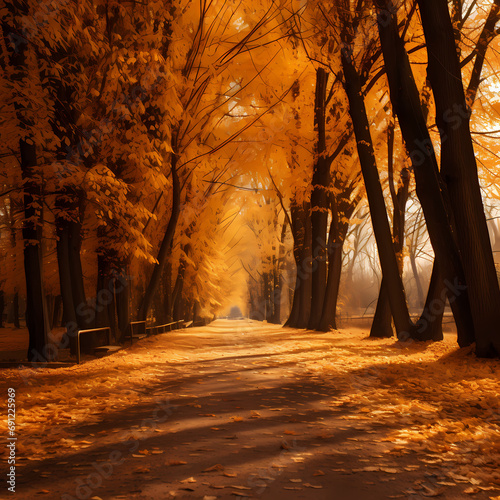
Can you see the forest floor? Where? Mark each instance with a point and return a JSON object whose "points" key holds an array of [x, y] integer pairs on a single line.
{"points": [[251, 410]]}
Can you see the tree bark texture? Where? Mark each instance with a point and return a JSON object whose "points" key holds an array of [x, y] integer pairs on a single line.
{"points": [[459, 170]]}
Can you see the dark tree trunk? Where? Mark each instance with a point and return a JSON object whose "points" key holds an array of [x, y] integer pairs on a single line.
{"points": [[459, 170], [418, 282], [122, 301], [167, 285], [69, 198], [177, 293], [62, 248], [75, 267], [188, 310], [36, 310], [336, 238], [301, 231], [319, 203], [15, 310], [103, 309], [165, 244], [278, 282], [382, 320], [158, 304], [406, 104], [37, 319], [50, 301], [430, 323], [2, 307], [381, 228], [196, 308], [57, 316], [268, 287]]}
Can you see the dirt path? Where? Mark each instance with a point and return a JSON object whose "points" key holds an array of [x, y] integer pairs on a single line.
{"points": [[243, 409]]}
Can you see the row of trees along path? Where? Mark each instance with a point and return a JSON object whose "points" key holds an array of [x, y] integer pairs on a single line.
{"points": [[162, 160]]}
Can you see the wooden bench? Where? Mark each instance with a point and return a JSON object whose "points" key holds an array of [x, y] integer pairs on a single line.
{"points": [[103, 349], [134, 327], [155, 330]]}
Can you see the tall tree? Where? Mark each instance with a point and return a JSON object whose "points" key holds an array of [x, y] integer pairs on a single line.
{"points": [[406, 103], [459, 170], [388, 260], [37, 316]]}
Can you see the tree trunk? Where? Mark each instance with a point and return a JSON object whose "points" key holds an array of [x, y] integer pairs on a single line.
{"points": [[69, 307], [418, 282], [301, 232], [2, 307], [278, 282], [406, 104], [166, 242], [15, 310], [382, 320], [122, 301], [50, 301], [268, 287], [381, 228], [167, 285], [75, 267], [37, 319], [430, 323], [319, 203], [56, 317], [103, 308], [158, 304], [336, 238], [36, 310], [459, 170], [177, 293]]}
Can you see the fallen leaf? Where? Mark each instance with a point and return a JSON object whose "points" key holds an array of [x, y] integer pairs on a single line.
{"points": [[471, 490], [389, 470], [214, 468], [172, 463], [429, 492], [324, 435]]}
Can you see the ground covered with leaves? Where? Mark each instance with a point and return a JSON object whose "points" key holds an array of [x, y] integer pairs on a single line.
{"points": [[246, 409]]}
